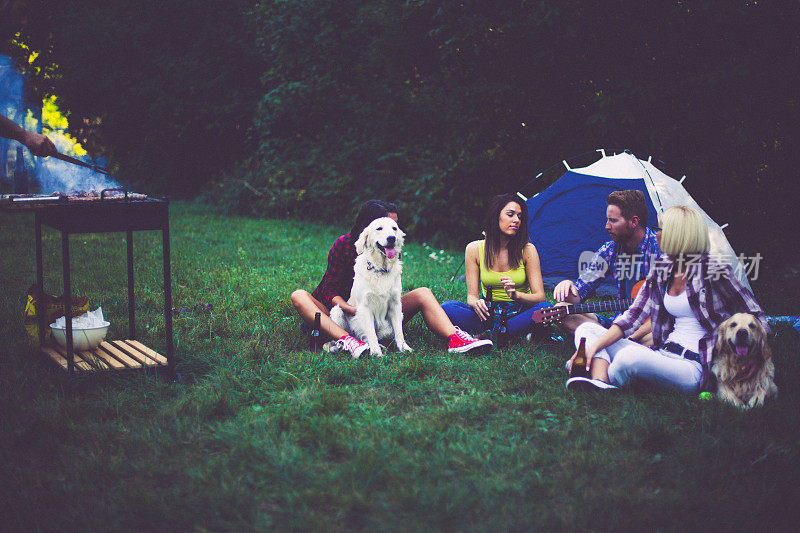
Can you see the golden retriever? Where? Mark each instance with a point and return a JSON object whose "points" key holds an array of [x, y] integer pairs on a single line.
{"points": [[742, 362], [376, 287]]}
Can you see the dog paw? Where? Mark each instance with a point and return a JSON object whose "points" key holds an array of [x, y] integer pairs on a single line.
{"points": [[758, 399], [404, 347]]}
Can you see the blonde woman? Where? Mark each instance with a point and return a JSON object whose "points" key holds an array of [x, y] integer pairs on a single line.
{"points": [[686, 296]]}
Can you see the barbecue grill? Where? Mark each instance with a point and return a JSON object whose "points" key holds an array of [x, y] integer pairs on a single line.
{"points": [[111, 210]]}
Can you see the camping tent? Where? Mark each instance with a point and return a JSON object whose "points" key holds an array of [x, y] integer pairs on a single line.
{"points": [[567, 219]]}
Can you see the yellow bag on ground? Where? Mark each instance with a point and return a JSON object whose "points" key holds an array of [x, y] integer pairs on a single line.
{"points": [[53, 307]]}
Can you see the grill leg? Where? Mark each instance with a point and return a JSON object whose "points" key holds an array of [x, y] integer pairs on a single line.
{"points": [[168, 296], [131, 298], [67, 298], [41, 309]]}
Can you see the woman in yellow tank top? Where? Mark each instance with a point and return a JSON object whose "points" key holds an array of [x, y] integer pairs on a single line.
{"points": [[507, 262]]}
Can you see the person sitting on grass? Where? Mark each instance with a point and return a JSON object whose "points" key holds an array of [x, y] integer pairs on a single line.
{"points": [[334, 289], [687, 296], [627, 256], [507, 262]]}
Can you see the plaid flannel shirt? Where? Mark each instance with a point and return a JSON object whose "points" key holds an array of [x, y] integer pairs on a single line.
{"points": [[625, 267], [338, 278], [713, 299]]}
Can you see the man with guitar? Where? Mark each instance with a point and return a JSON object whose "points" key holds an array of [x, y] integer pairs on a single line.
{"points": [[627, 255]]}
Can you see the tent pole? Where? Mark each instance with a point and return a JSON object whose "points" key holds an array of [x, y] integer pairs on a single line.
{"points": [[539, 175]]}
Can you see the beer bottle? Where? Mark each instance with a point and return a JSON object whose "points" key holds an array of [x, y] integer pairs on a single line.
{"points": [[502, 329], [315, 344], [579, 363], [490, 308]]}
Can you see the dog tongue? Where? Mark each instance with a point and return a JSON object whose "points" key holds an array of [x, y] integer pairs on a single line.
{"points": [[390, 253], [741, 351]]}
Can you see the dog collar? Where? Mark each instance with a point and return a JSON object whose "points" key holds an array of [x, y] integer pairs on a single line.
{"points": [[745, 372], [370, 266]]}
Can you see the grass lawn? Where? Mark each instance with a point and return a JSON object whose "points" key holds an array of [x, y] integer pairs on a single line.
{"points": [[262, 433]]}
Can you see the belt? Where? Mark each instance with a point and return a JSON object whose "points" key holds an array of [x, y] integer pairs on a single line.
{"points": [[674, 347]]}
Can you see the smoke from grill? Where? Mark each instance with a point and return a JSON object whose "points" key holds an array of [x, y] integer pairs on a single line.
{"points": [[55, 175], [49, 173]]}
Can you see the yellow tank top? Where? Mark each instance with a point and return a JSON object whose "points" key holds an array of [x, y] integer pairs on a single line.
{"points": [[490, 277]]}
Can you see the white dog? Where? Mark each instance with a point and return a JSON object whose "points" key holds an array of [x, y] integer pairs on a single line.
{"points": [[376, 287]]}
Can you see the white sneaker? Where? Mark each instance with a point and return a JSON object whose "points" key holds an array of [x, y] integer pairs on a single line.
{"points": [[349, 343], [579, 383], [332, 346]]}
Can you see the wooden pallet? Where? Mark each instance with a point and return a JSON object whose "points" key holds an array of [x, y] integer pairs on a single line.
{"points": [[110, 355]]}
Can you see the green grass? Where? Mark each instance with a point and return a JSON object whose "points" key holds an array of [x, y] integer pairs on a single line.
{"points": [[263, 433]]}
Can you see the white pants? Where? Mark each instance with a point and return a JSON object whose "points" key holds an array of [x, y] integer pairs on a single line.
{"points": [[630, 361]]}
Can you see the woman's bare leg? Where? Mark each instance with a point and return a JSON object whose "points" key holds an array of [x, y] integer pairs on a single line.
{"points": [[423, 300], [307, 306], [600, 369]]}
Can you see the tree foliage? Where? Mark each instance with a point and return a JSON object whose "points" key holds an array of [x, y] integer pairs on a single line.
{"points": [[435, 104], [439, 104], [163, 89]]}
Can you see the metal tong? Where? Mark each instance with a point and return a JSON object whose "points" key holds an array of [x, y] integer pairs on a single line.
{"points": [[78, 162]]}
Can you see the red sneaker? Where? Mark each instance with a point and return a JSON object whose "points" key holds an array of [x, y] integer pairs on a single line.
{"points": [[462, 342], [349, 343]]}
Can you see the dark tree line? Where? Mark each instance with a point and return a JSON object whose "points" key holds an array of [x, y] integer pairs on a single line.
{"points": [[163, 89], [310, 107]]}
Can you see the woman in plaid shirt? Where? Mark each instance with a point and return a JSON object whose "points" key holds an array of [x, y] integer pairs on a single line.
{"points": [[334, 289], [686, 297]]}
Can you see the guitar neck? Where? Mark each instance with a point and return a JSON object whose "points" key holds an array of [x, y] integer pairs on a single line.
{"points": [[598, 307]]}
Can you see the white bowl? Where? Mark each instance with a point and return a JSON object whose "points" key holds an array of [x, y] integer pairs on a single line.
{"points": [[82, 339]]}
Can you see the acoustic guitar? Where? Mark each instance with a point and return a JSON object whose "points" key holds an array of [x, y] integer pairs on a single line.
{"points": [[556, 313]]}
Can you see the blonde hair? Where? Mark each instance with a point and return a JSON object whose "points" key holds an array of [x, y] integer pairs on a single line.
{"points": [[683, 231]]}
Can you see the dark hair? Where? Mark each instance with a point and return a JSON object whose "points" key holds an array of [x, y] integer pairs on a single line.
{"points": [[390, 207], [631, 203], [494, 236], [371, 210]]}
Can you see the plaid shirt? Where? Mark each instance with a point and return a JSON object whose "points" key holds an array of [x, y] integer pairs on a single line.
{"points": [[714, 295], [338, 278], [625, 267]]}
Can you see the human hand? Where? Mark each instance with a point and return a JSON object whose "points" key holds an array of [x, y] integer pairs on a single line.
{"points": [[589, 352], [570, 361], [347, 308], [39, 145], [564, 290], [480, 309], [510, 287]]}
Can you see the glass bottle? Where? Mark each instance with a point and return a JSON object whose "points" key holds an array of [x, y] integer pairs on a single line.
{"points": [[579, 363], [502, 329], [489, 300], [315, 344]]}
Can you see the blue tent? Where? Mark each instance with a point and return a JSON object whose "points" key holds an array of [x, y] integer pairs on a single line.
{"points": [[567, 219]]}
